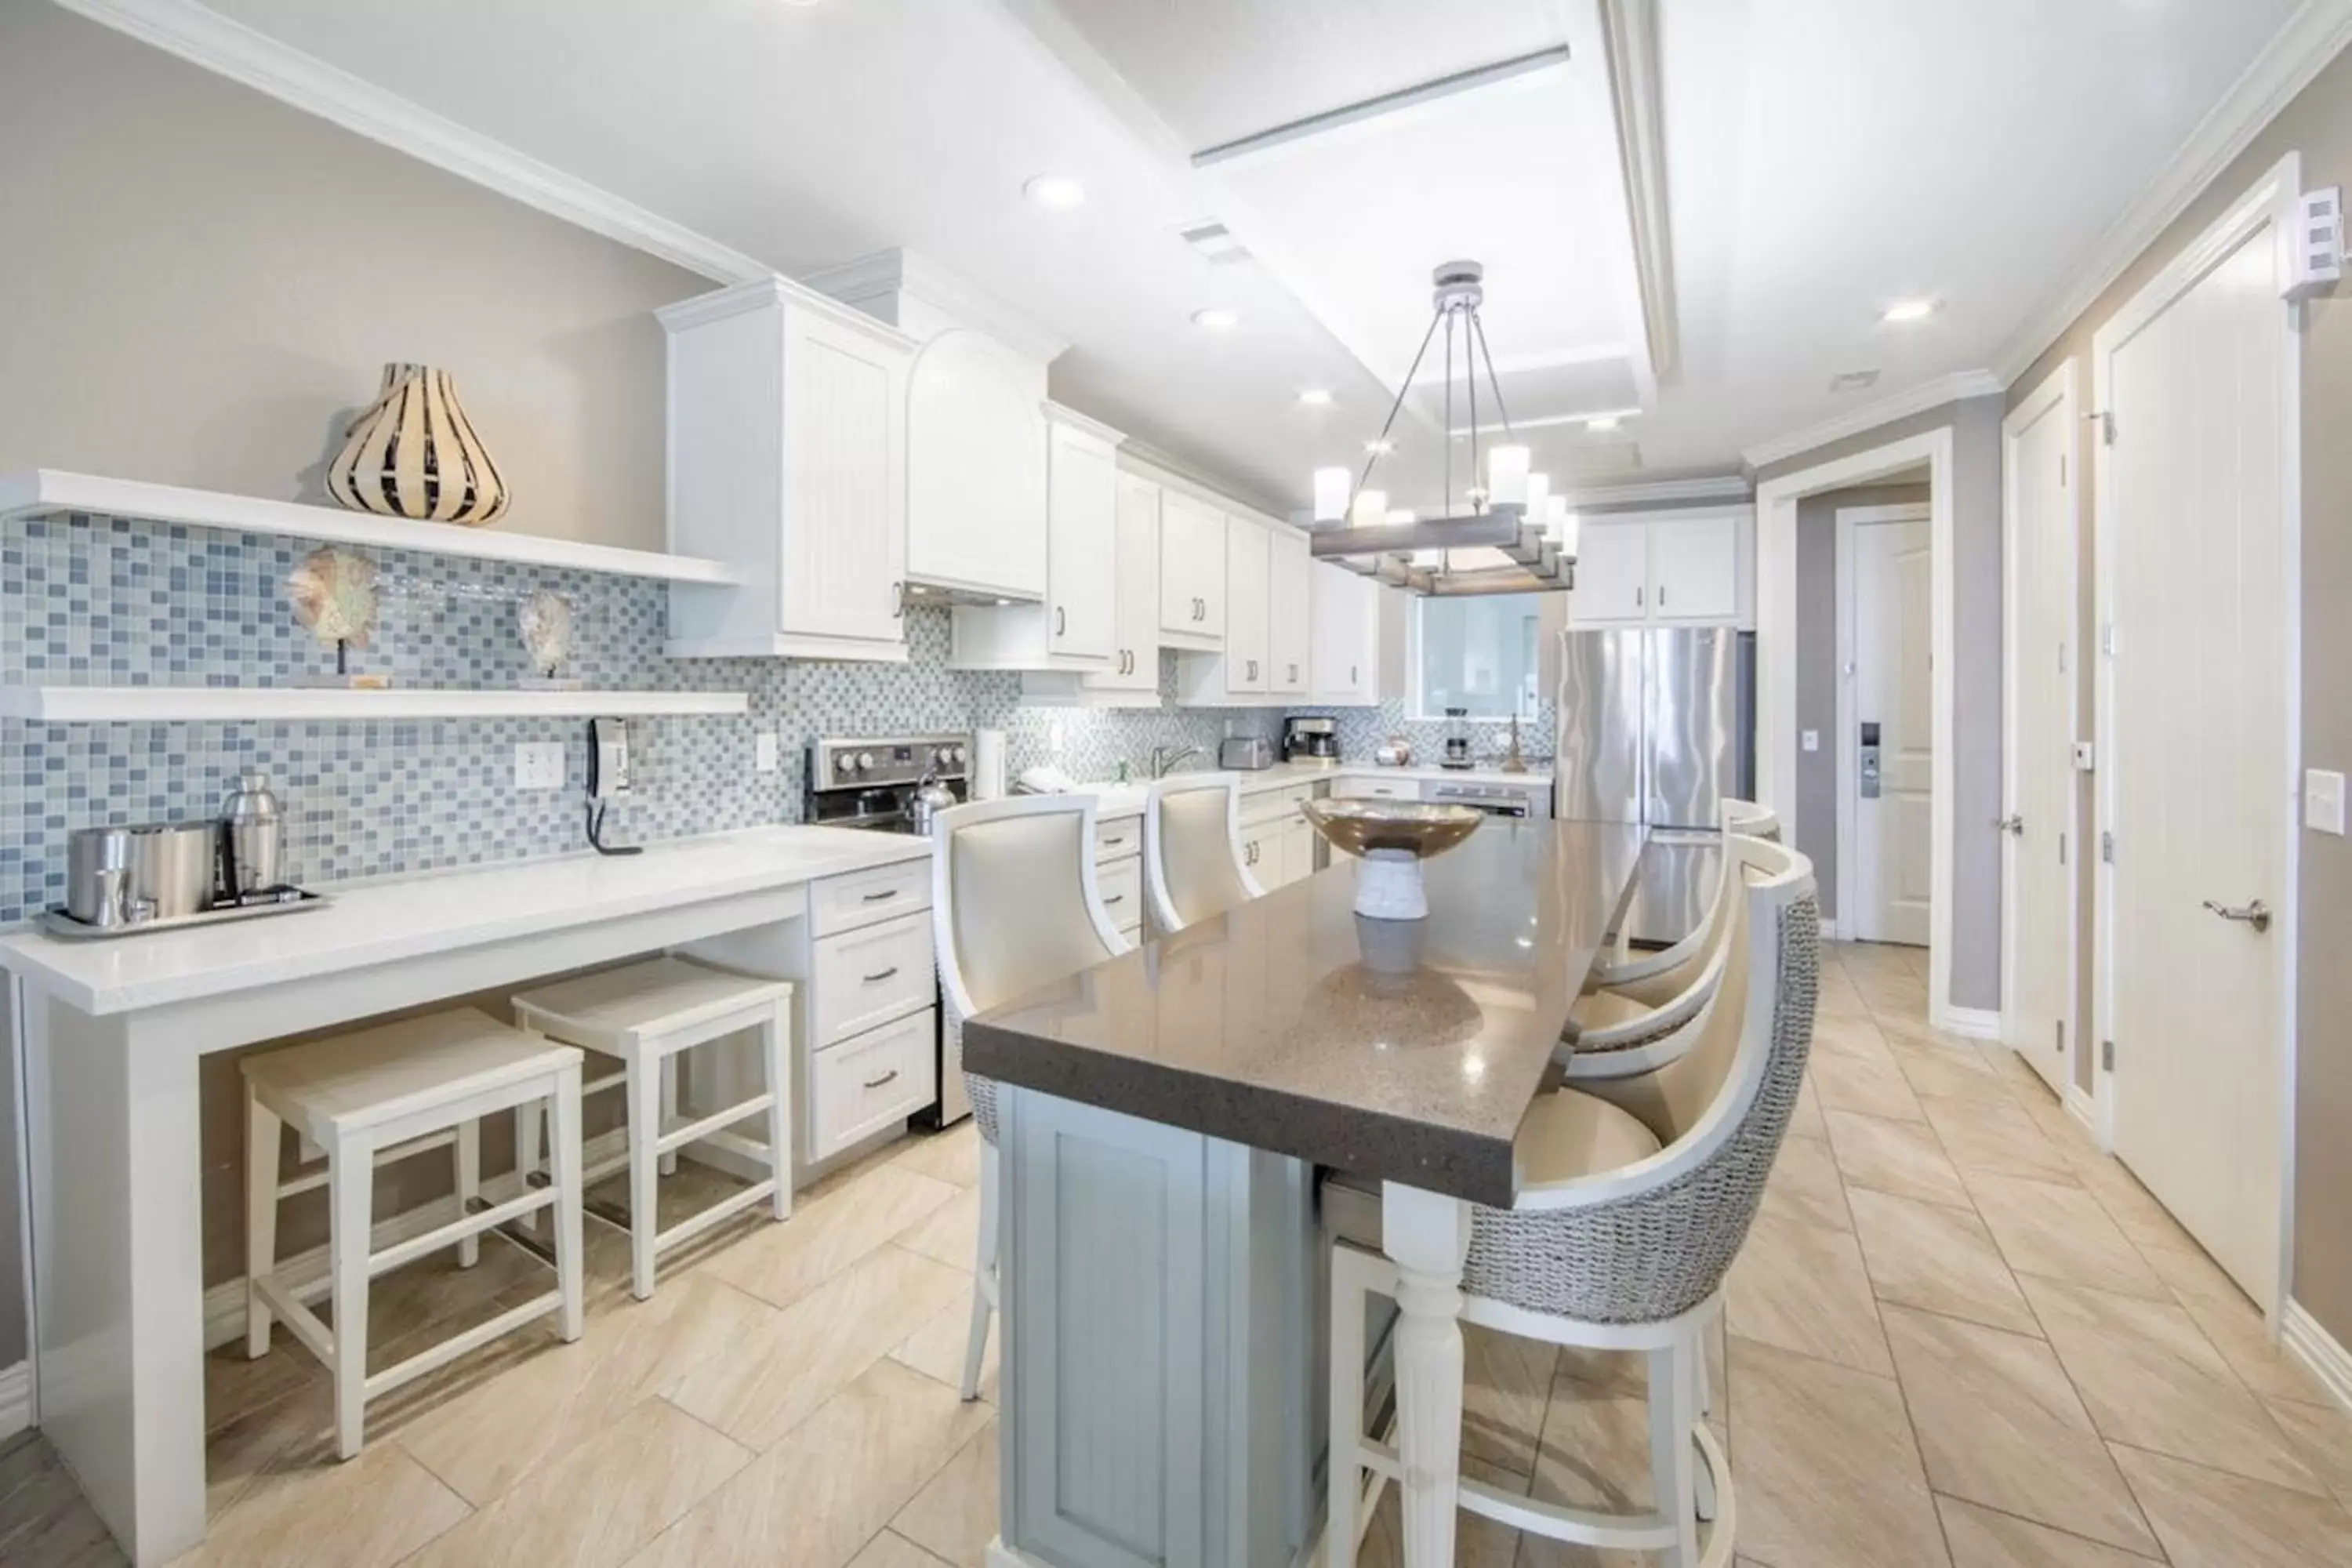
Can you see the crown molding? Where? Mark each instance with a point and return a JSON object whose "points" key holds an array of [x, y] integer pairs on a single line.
{"points": [[2310, 38], [1720, 487], [870, 279], [775, 288], [1161, 467], [1630, 37], [205, 37], [1871, 416]]}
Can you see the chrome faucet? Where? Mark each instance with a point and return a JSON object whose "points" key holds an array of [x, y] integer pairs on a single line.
{"points": [[1165, 758]]}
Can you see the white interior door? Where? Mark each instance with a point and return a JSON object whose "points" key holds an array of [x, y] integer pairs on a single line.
{"points": [[2038, 902], [1893, 729], [2194, 515]]}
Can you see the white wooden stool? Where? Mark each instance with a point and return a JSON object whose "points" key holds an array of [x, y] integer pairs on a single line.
{"points": [[646, 1015], [370, 1099]]}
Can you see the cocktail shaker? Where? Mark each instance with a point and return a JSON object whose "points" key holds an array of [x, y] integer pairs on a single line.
{"points": [[252, 838]]}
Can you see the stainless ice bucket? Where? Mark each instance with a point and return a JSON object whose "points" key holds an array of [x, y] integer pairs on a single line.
{"points": [[125, 875]]}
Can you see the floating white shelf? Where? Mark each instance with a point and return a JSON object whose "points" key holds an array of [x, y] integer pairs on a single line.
{"points": [[217, 704], [40, 492]]}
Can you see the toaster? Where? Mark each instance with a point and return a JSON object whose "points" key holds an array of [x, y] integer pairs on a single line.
{"points": [[1246, 753]]}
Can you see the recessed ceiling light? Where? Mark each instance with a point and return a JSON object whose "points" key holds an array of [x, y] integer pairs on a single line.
{"points": [[1216, 319], [1852, 380], [1908, 311], [1380, 448], [1056, 191], [1315, 396]]}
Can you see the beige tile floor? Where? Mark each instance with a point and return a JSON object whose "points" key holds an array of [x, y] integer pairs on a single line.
{"points": [[1958, 1337]]}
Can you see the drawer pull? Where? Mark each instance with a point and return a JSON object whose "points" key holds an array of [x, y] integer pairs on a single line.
{"points": [[877, 979], [1113, 898], [885, 893], [886, 1077]]}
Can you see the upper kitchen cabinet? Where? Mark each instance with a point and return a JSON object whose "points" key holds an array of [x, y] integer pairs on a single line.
{"points": [[1290, 642], [977, 475], [1192, 571], [787, 460], [1132, 679], [1358, 629], [1692, 567], [1075, 626], [1267, 587]]}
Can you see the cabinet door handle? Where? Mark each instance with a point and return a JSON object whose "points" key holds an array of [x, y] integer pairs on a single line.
{"points": [[1113, 898], [1352, 675], [1061, 620], [898, 600], [885, 893], [1637, 598], [878, 978], [1662, 596], [886, 1077]]}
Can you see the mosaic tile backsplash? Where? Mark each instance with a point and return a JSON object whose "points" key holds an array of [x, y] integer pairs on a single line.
{"points": [[103, 601]]}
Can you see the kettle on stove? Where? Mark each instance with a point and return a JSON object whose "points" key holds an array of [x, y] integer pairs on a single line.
{"points": [[930, 798]]}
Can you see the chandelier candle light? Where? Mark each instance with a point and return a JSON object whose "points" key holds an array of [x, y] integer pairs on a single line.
{"points": [[1511, 533]]}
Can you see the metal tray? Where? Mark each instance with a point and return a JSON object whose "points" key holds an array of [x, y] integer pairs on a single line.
{"points": [[56, 923]]}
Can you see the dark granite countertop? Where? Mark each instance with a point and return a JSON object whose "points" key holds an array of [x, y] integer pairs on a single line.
{"points": [[1407, 1051]]}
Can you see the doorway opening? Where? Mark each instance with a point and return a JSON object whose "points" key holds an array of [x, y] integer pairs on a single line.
{"points": [[1885, 739]]}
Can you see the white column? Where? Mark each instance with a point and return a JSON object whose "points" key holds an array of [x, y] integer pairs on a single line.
{"points": [[1428, 1237]]}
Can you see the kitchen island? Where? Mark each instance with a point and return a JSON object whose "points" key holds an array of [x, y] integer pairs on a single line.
{"points": [[1161, 1261]]}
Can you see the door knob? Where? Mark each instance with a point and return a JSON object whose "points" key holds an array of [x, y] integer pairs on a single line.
{"points": [[2013, 824], [2256, 914]]}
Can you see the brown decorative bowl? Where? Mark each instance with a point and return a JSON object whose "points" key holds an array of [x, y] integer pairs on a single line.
{"points": [[1418, 827]]}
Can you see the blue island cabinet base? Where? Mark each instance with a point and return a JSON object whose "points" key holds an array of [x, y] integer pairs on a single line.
{"points": [[1162, 1352]]}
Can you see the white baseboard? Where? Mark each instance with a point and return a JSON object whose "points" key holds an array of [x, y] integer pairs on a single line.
{"points": [[1974, 1022], [16, 1398], [2083, 1109], [2330, 1362]]}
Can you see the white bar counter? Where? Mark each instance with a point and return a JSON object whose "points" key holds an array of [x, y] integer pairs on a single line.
{"points": [[112, 1032]]}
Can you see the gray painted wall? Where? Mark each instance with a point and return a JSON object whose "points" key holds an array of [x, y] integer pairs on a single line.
{"points": [[205, 284], [1975, 424], [2318, 123], [1817, 674]]}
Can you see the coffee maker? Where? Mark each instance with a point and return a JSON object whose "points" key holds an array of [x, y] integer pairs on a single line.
{"points": [[1310, 740]]}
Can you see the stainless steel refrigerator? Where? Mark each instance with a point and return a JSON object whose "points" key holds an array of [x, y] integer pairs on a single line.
{"points": [[1656, 724]]}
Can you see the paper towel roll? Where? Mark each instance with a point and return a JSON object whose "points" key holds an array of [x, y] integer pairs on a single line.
{"points": [[988, 764]]}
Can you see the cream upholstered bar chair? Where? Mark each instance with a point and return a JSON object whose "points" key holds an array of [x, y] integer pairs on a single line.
{"points": [[1634, 1198], [1637, 1017], [1192, 851], [1014, 905], [1750, 820]]}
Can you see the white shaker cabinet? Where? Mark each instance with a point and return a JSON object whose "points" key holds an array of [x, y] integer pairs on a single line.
{"points": [[1135, 643], [1290, 642], [1692, 567], [1193, 543], [1613, 574], [1072, 627], [1248, 568], [787, 444], [1357, 627]]}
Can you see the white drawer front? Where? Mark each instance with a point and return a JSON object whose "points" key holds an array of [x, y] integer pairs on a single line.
{"points": [[1119, 838], [872, 974], [861, 897], [1375, 789], [1122, 890], [866, 1083], [1275, 805]]}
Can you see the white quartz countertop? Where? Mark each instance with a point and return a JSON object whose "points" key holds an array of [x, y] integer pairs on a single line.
{"points": [[1114, 800], [404, 918]]}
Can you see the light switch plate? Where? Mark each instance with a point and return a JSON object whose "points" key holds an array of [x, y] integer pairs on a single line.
{"points": [[765, 752], [539, 764], [1810, 739], [2323, 801]]}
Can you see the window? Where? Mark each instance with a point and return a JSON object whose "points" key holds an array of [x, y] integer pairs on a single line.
{"points": [[1475, 652]]}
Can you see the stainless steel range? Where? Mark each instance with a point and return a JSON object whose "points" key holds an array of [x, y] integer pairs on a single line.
{"points": [[872, 782]]}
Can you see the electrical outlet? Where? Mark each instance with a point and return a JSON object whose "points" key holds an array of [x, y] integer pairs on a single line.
{"points": [[1810, 739], [766, 751], [539, 764]]}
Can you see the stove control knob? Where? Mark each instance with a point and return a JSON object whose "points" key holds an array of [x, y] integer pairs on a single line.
{"points": [[845, 763], [950, 755], [865, 761]]}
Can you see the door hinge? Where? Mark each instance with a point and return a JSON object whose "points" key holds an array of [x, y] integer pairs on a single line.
{"points": [[2062, 470], [2062, 849], [2106, 422], [2061, 1036], [2107, 1056], [2107, 848]]}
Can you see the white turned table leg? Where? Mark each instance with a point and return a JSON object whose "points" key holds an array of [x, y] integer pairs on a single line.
{"points": [[1427, 1236]]}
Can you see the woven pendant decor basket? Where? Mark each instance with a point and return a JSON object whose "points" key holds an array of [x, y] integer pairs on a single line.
{"points": [[413, 454]]}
